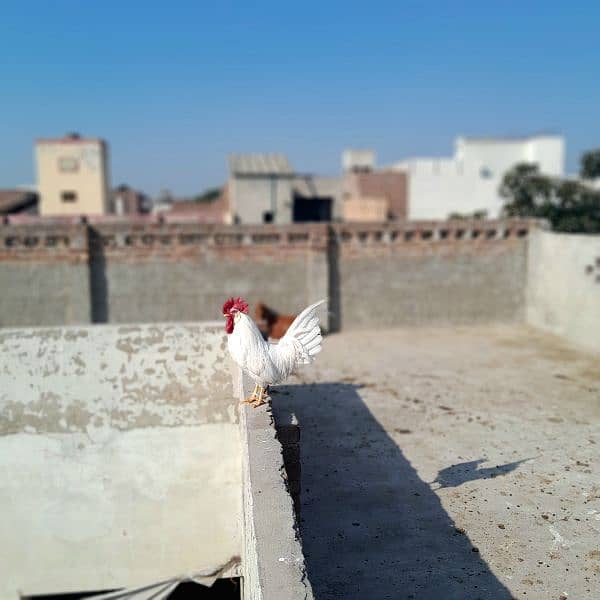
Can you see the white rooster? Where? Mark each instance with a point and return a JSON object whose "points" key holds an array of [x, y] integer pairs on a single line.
{"points": [[266, 363]]}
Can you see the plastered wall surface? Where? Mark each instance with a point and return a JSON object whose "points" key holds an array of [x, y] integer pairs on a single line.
{"points": [[563, 290], [272, 561], [87, 177], [44, 274], [119, 456], [449, 283]]}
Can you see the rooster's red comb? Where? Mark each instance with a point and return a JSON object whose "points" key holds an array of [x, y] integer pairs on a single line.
{"points": [[237, 303]]}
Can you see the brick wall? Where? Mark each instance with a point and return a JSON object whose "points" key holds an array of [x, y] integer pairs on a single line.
{"points": [[184, 271], [147, 269]]}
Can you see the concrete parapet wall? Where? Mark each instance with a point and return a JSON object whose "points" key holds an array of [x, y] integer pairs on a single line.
{"points": [[146, 270], [168, 271], [79, 379], [119, 455], [563, 290], [273, 565], [431, 272], [44, 277]]}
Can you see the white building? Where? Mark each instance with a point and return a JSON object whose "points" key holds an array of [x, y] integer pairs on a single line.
{"points": [[468, 182], [358, 160]]}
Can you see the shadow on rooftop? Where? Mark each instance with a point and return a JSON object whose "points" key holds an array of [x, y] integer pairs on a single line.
{"points": [[371, 527], [469, 471]]}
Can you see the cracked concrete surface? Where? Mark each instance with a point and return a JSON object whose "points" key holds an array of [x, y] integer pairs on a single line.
{"points": [[449, 463]]}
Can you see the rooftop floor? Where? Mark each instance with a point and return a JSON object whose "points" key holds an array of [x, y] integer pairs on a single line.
{"points": [[449, 463]]}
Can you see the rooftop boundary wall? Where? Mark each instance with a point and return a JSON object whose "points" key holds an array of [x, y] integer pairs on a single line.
{"points": [[273, 566], [563, 286], [67, 271], [120, 457], [44, 274], [430, 272], [127, 443]]}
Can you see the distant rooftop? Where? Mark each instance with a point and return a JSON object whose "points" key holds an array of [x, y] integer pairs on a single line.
{"points": [[354, 159], [260, 164], [70, 138], [507, 138], [16, 200], [314, 186]]}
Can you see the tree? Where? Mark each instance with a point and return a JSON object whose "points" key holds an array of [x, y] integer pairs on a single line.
{"points": [[576, 208], [570, 205], [590, 164], [527, 190]]}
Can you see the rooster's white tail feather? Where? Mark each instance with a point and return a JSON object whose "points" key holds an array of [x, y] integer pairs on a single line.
{"points": [[301, 342], [305, 330]]}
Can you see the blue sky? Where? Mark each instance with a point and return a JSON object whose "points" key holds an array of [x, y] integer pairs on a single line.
{"points": [[177, 86]]}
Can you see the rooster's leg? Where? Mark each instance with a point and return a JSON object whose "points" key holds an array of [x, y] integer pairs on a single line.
{"points": [[261, 397], [252, 397]]}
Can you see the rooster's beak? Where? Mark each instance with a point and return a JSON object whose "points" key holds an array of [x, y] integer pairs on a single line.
{"points": [[225, 315]]}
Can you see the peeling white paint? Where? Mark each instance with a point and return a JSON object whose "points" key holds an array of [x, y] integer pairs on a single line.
{"points": [[120, 377], [119, 457]]}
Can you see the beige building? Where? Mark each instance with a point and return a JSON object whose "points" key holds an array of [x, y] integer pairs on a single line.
{"points": [[366, 209], [72, 176]]}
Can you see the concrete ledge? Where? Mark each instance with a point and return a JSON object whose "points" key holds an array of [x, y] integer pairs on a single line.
{"points": [[272, 561]]}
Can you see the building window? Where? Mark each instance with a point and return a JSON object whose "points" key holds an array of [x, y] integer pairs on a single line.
{"points": [[68, 196], [267, 217], [68, 164], [485, 173]]}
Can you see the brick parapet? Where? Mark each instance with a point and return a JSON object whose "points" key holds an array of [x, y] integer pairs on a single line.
{"points": [[149, 238], [434, 231], [49, 242], [424, 238]]}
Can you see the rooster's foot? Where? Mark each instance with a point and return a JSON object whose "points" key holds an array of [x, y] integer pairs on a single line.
{"points": [[252, 397], [262, 394]]}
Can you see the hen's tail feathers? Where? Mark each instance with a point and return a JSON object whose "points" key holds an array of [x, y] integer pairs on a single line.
{"points": [[305, 334]]}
